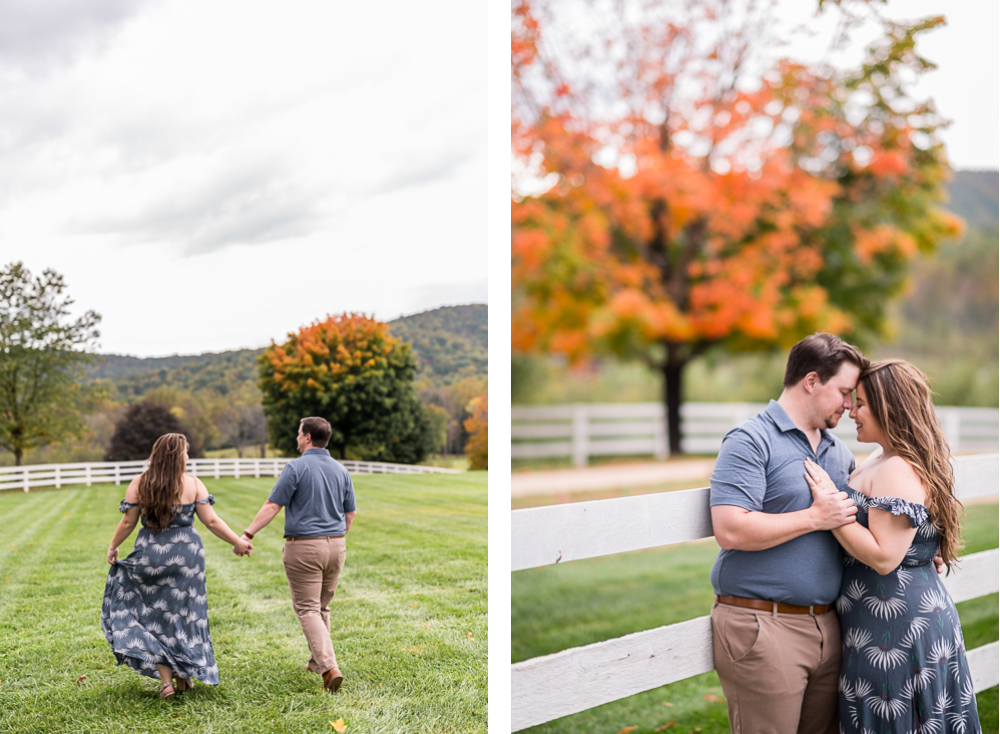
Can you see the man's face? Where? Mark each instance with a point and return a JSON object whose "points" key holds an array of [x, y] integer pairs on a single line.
{"points": [[831, 400], [302, 440]]}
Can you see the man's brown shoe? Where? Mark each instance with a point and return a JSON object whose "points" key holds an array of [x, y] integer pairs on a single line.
{"points": [[332, 680]]}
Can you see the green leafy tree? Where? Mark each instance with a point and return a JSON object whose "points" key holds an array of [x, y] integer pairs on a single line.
{"points": [[351, 371], [137, 431], [43, 355]]}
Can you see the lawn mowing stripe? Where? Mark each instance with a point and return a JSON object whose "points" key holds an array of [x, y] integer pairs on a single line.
{"points": [[401, 676]]}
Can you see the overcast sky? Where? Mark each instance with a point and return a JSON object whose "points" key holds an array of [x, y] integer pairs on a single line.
{"points": [[966, 84], [212, 175]]}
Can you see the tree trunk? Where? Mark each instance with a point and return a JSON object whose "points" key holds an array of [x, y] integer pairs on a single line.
{"points": [[673, 368], [18, 453], [263, 451]]}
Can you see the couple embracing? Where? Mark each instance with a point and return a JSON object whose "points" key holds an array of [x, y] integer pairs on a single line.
{"points": [[829, 616], [155, 612]]}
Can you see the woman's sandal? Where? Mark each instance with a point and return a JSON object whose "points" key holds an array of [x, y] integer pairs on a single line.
{"points": [[167, 690]]}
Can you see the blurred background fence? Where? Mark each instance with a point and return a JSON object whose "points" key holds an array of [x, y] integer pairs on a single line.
{"points": [[58, 475], [549, 687], [582, 430]]}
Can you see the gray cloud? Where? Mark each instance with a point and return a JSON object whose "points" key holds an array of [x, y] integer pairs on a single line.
{"points": [[38, 36], [244, 207], [418, 173]]}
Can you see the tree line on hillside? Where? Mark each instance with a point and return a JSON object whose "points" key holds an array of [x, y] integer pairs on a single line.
{"points": [[349, 369]]}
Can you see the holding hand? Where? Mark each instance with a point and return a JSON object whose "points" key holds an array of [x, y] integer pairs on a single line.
{"points": [[832, 507], [242, 547], [112, 555]]}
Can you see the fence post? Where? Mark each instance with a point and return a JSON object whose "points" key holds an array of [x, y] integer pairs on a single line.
{"points": [[661, 446], [87, 473], [237, 468], [27, 485], [256, 468], [580, 437], [118, 474], [58, 483], [217, 469]]}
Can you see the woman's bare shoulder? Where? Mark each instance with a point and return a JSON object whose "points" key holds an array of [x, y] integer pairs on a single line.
{"points": [[896, 477], [191, 489], [132, 492]]}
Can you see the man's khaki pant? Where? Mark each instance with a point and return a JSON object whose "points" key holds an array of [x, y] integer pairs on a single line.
{"points": [[313, 568], [779, 672]]}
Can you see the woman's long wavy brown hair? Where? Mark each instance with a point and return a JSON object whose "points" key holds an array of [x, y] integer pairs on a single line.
{"points": [[900, 400], [160, 485]]}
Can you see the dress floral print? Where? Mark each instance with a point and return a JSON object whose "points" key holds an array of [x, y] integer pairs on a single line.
{"points": [[155, 608], [904, 667]]}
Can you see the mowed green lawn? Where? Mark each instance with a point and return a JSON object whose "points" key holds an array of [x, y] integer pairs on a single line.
{"points": [[409, 619], [567, 605]]}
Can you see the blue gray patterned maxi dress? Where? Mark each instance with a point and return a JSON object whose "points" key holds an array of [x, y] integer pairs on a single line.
{"points": [[904, 666], [155, 608]]}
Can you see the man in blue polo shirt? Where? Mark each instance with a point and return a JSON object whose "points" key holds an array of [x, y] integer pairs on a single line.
{"points": [[776, 636], [318, 496]]}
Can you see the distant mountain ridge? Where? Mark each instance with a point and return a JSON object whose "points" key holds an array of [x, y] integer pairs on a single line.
{"points": [[448, 343], [973, 196]]}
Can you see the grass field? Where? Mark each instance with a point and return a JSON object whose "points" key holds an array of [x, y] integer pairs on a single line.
{"points": [[567, 605], [409, 618]]}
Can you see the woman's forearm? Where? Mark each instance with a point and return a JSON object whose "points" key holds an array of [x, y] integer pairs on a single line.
{"points": [[864, 545], [124, 529], [220, 530]]}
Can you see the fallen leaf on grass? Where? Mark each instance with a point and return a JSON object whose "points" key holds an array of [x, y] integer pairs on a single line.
{"points": [[81, 679], [627, 729], [339, 725], [469, 635], [664, 726], [667, 703], [713, 699]]}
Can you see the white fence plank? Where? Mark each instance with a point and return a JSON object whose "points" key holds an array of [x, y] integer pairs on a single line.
{"points": [[702, 427], [58, 475], [977, 574], [983, 665], [567, 682], [549, 687], [556, 533]]}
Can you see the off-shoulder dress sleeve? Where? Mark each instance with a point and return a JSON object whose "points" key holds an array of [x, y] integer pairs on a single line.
{"points": [[126, 506], [917, 513], [208, 500]]}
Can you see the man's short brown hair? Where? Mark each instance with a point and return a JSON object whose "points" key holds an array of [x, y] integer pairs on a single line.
{"points": [[822, 354], [318, 430]]}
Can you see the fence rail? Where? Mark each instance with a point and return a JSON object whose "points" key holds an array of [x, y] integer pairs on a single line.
{"points": [[583, 430], [58, 475], [548, 687]]}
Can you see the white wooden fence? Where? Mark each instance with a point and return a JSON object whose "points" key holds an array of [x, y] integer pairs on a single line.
{"points": [[546, 688], [57, 475], [582, 430]]}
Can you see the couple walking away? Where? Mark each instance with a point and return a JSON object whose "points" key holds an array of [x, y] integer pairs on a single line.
{"points": [[155, 611], [804, 530]]}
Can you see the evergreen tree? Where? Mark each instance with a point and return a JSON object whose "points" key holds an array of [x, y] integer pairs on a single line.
{"points": [[138, 429]]}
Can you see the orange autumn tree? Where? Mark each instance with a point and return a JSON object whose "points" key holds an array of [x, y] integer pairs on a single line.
{"points": [[677, 192], [350, 370], [477, 447]]}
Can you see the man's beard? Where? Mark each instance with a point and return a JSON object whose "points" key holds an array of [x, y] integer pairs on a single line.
{"points": [[832, 420]]}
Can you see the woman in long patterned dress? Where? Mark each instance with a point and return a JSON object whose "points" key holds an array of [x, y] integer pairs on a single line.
{"points": [[904, 667], [155, 611]]}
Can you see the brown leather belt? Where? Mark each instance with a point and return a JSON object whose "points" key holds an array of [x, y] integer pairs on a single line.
{"points": [[767, 606], [318, 537]]}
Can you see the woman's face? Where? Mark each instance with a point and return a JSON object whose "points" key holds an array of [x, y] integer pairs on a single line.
{"points": [[868, 428]]}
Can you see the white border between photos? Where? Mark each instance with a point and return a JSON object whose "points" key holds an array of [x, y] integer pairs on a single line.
{"points": [[498, 263]]}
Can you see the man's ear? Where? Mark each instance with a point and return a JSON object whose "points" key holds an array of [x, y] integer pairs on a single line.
{"points": [[810, 381]]}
